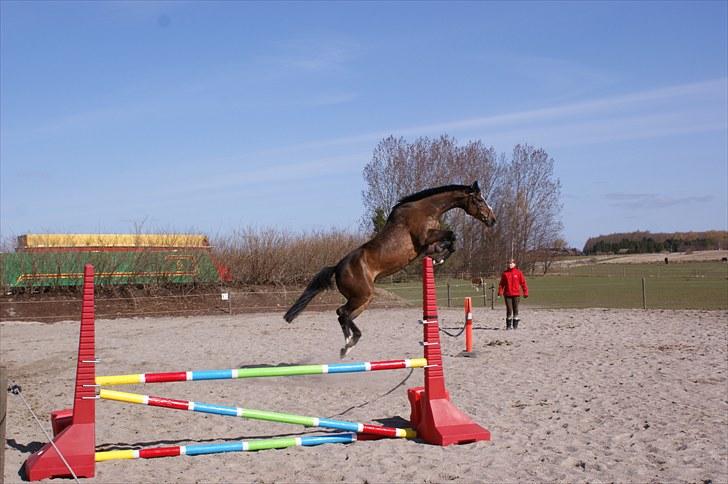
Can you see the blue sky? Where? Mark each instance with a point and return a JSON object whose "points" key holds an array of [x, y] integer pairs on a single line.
{"points": [[202, 116]]}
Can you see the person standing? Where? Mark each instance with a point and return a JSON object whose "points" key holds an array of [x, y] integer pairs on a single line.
{"points": [[511, 283]]}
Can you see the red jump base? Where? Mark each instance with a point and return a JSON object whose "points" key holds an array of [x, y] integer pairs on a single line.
{"points": [[437, 420]]}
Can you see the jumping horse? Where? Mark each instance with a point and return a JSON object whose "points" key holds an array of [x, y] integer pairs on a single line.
{"points": [[412, 229]]}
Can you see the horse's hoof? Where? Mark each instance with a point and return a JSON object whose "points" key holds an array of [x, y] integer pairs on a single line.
{"points": [[344, 351]]}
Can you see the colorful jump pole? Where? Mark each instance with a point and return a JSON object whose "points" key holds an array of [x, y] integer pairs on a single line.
{"points": [[72, 452], [252, 414], [269, 371], [238, 446]]}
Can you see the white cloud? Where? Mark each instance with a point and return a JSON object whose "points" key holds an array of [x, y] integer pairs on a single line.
{"points": [[263, 173], [328, 99], [667, 111], [653, 200], [557, 74], [708, 96], [319, 55]]}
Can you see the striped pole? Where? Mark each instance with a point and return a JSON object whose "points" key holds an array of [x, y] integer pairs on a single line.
{"points": [[267, 371], [255, 414], [238, 446]]}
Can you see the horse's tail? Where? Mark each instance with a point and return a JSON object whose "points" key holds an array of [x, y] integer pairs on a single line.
{"points": [[321, 281]]}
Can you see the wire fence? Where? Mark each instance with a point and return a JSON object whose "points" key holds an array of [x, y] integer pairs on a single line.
{"points": [[589, 292], [39, 307], [706, 290], [693, 285]]}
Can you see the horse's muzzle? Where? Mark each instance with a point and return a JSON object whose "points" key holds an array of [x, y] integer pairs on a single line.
{"points": [[488, 221]]}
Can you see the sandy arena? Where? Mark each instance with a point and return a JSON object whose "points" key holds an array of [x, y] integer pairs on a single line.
{"points": [[572, 396]]}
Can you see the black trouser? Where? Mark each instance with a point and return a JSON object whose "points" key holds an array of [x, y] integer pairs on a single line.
{"points": [[512, 306]]}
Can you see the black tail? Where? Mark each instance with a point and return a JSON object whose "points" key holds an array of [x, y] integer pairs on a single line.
{"points": [[322, 280]]}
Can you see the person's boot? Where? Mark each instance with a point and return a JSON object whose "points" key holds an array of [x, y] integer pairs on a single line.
{"points": [[508, 323], [515, 323]]}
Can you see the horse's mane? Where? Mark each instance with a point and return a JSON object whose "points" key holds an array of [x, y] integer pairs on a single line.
{"points": [[433, 191]]}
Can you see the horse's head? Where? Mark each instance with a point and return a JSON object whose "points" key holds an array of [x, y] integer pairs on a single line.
{"points": [[476, 206]]}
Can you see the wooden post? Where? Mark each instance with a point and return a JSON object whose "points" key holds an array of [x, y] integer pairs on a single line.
{"points": [[492, 296], [448, 293], [644, 295], [226, 297], [484, 286]]}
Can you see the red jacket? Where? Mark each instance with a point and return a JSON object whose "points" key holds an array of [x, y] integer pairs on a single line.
{"points": [[511, 282]]}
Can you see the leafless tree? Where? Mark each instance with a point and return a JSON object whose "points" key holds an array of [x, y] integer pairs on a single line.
{"points": [[522, 190], [399, 168], [529, 205]]}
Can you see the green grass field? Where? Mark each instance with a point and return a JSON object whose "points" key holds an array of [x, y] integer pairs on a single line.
{"points": [[690, 285]]}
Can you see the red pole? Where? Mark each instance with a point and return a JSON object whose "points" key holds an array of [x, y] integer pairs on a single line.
{"points": [[74, 430], [468, 325], [437, 420]]}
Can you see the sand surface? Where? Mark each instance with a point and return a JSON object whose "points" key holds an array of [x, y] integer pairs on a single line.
{"points": [[573, 396]]}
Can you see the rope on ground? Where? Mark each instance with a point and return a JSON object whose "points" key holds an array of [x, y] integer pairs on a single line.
{"points": [[377, 398], [398, 384], [453, 335], [16, 390]]}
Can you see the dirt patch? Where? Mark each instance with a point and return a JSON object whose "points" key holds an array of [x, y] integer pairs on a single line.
{"points": [[579, 396]]}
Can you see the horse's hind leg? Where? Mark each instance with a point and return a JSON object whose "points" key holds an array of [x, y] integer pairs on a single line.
{"points": [[347, 313], [356, 284], [344, 323]]}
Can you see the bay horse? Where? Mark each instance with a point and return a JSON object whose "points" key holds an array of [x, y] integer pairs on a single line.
{"points": [[412, 229]]}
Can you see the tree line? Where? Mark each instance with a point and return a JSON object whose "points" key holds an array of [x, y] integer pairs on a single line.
{"points": [[520, 186], [645, 242]]}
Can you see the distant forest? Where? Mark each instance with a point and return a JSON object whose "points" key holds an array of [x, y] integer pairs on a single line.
{"points": [[646, 242]]}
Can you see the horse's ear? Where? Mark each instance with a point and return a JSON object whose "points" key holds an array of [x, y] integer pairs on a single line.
{"points": [[475, 186]]}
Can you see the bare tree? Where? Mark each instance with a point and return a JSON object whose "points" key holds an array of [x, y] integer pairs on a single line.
{"points": [[399, 168], [522, 190], [530, 204], [385, 176]]}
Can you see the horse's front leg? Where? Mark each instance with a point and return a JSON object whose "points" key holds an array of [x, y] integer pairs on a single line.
{"points": [[439, 252], [439, 245], [435, 235]]}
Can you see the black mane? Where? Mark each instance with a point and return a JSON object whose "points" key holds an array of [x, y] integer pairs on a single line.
{"points": [[433, 191]]}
